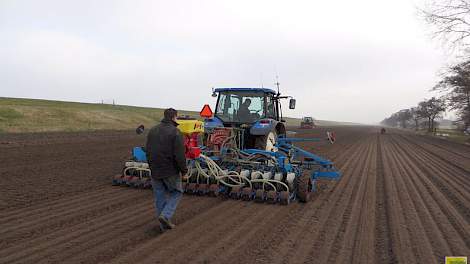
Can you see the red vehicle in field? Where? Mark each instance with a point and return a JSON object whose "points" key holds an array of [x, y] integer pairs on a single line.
{"points": [[307, 122]]}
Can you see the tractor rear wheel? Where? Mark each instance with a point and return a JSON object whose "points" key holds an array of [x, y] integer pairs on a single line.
{"points": [[304, 187], [266, 142]]}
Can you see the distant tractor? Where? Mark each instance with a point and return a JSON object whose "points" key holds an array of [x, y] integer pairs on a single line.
{"points": [[307, 122], [382, 131]]}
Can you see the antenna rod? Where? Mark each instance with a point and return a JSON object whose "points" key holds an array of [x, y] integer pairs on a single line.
{"points": [[277, 84], [261, 79]]}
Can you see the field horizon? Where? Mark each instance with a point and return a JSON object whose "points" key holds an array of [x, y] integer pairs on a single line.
{"points": [[23, 115]]}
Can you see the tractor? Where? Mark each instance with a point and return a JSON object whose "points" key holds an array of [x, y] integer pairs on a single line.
{"points": [[255, 110], [241, 151], [307, 123]]}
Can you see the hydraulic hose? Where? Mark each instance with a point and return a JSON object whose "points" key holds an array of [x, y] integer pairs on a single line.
{"points": [[215, 171]]}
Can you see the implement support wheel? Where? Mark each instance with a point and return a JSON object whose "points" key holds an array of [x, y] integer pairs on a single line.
{"points": [[304, 187], [284, 197], [259, 196], [214, 190], [235, 192], [247, 194]]}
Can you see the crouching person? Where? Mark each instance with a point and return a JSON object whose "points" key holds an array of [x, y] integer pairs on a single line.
{"points": [[165, 154]]}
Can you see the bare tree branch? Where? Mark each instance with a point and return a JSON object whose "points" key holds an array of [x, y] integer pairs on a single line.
{"points": [[449, 21]]}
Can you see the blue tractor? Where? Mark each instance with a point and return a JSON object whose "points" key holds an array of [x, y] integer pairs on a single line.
{"points": [[252, 119], [256, 110], [244, 152]]}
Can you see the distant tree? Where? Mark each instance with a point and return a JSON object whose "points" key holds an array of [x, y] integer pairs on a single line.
{"points": [[391, 121], [456, 86], [431, 109], [465, 120], [415, 117], [450, 21], [403, 117]]}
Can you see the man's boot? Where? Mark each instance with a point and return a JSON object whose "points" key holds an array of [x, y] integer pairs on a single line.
{"points": [[166, 223]]}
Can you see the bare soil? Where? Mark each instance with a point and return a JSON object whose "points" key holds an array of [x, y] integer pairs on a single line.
{"points": [[402, 199]]}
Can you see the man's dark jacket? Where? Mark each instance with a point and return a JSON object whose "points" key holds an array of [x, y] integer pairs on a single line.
{"points": [[165, 150], [244, 112]]}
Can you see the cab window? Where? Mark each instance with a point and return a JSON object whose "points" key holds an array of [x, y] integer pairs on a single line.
{"points": [[270, 108], [241, 107]]}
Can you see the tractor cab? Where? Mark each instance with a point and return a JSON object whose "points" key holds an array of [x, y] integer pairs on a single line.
{"points": [[243, 106], [257, 111], [307, 122], [308, 119]]}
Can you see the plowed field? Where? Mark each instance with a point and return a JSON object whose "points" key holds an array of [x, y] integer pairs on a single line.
{"points": [[402, 199]]}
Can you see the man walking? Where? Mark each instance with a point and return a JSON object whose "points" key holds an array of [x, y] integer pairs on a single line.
{"points": [[165, 154]]}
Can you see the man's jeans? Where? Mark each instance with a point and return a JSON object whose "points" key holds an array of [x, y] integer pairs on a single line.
{"points": [[166, 197]]}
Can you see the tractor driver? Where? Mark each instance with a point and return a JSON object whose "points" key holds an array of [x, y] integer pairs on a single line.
{"points": [[243, 112]]}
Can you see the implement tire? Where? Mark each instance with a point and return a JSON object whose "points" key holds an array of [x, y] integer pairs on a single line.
{"points": [[304, 187]]}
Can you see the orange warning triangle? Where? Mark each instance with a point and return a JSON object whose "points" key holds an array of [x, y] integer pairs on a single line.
{"points": [[206, 111]]}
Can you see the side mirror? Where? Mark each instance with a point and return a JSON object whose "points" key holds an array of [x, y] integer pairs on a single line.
{"points": [[214, 94], [140, 129], [292, 104]]}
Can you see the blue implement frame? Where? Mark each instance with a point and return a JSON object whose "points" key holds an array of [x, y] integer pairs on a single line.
{"points": [[294, 159]]}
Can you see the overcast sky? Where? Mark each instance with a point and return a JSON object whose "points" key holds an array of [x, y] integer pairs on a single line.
{"points": [[354, 61]]}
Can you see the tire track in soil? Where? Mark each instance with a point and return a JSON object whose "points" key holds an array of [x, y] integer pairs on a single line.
{"points": [[439, 231], [400, 238], [124, 238], [298, 245], [445, 152], [132, 247], [42, 247], [78, 239], [217, 239], [341, 216], [39, 210], [459, 164], [456, 229], [63, 166], [256, 242], [34, 228], [437, 154], [335, 222], [190, 231], [384, 248], [420, 243], [445, 147], [443, 182], [459, 177], [305, 216], [42, 214], [421, 239], [357, 242]]}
